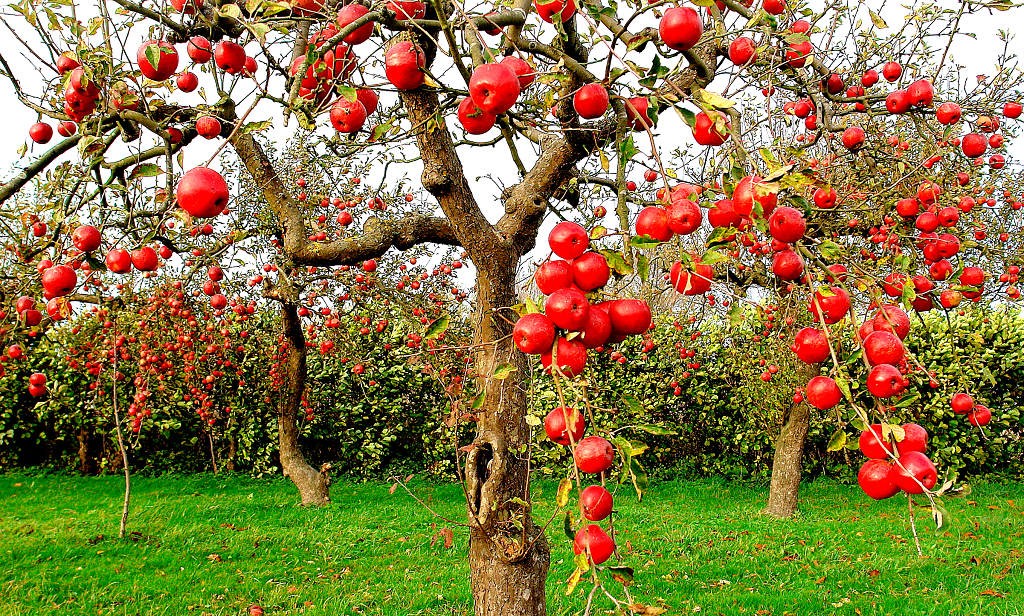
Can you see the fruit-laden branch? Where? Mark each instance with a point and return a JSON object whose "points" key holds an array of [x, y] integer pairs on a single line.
{"points": [[444, 178], [527, 201], [40, 164], [155, 16], [377, 237]]}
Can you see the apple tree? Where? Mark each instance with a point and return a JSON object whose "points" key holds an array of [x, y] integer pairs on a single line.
{"points": [[571, 99]]}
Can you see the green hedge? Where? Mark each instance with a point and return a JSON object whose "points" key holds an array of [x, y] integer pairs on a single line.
{"points": [[393, 418]]}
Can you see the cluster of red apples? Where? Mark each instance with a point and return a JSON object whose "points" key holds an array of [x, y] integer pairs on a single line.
{"points": [[570, 325], [592, 455]]}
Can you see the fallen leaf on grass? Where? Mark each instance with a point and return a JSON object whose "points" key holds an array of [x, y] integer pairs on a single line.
{"points": [[646, 610], [874, 573], [992, 593], [213, 558]]}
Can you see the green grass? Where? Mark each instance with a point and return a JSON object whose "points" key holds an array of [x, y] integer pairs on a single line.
{"points": [[214, 545]]}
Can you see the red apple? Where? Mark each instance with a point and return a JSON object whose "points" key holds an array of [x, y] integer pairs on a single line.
{"points": [[915, 438], [119, 261], [873, 445], [40, 132], [553, 275], [652, 223], [162, 54], [144, 259], [811, 346], [474, 120], [86, 238], [874, 479], [229, 56], [596, 503], [556, 421], [348, 14], [348, 116], [590, 271], [534, 333], [823, 393], [883, 347], [680, 28], [202, 192], [567, 308], [787, 225], [570, 355], [885, 381], [591, 101], [596, 541], [404, 64], [494, 88], [913, 470], [594, 455], [683, 216], [59, 280], [568, 240]]}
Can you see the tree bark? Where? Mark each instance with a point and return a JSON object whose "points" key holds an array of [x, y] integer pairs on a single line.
{"points": [[312, 485], [86, 450], [509, 554], [784, 491]]}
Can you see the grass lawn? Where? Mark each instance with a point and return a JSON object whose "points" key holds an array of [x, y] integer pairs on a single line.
{"points": [[215, 544]]}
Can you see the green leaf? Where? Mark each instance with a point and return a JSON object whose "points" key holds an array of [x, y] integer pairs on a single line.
{"points": [[503, 371], [437, 327], [562, 495], [253, 127], [567, 526], [573, 581], [531, 306], [837, 442], [232, 11], [622, 575], [830, 250], [153, 53], [643, 267], [479, 400], [711, 257], [634, 404], [656, 430], [844, 387], [627, 149], [687, 116], [145, 170], [643, 242], [617, 262], [598, 232], [348, 92]]}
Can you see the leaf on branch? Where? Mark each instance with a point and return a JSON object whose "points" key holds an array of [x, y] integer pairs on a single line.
{"points": [[605, 164], [830, 250], [562, 496], [634, 404], [437, 327], [567, 526], [574, 579], [622, 575], [253, 127], [715, 100], [582, 561], [617, 262], [627, 149], [230, 10], [643, 242], [712, 257], [503, 371], [877, 20], [656, 430], [531, 306], [598, 232], [643, 267], [639, 478], [837, 442], [478, 401], [260, 31], [687, 116], [146, 170]]}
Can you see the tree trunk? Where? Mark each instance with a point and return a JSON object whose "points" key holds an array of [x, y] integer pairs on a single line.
{"points": [[86, 453], [783, 494], [229, 465], [508, 554], [312, 485]]}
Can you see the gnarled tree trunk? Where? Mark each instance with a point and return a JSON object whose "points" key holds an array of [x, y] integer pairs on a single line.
{"points": [[783, 494], [312, 485], [508, 565]]}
